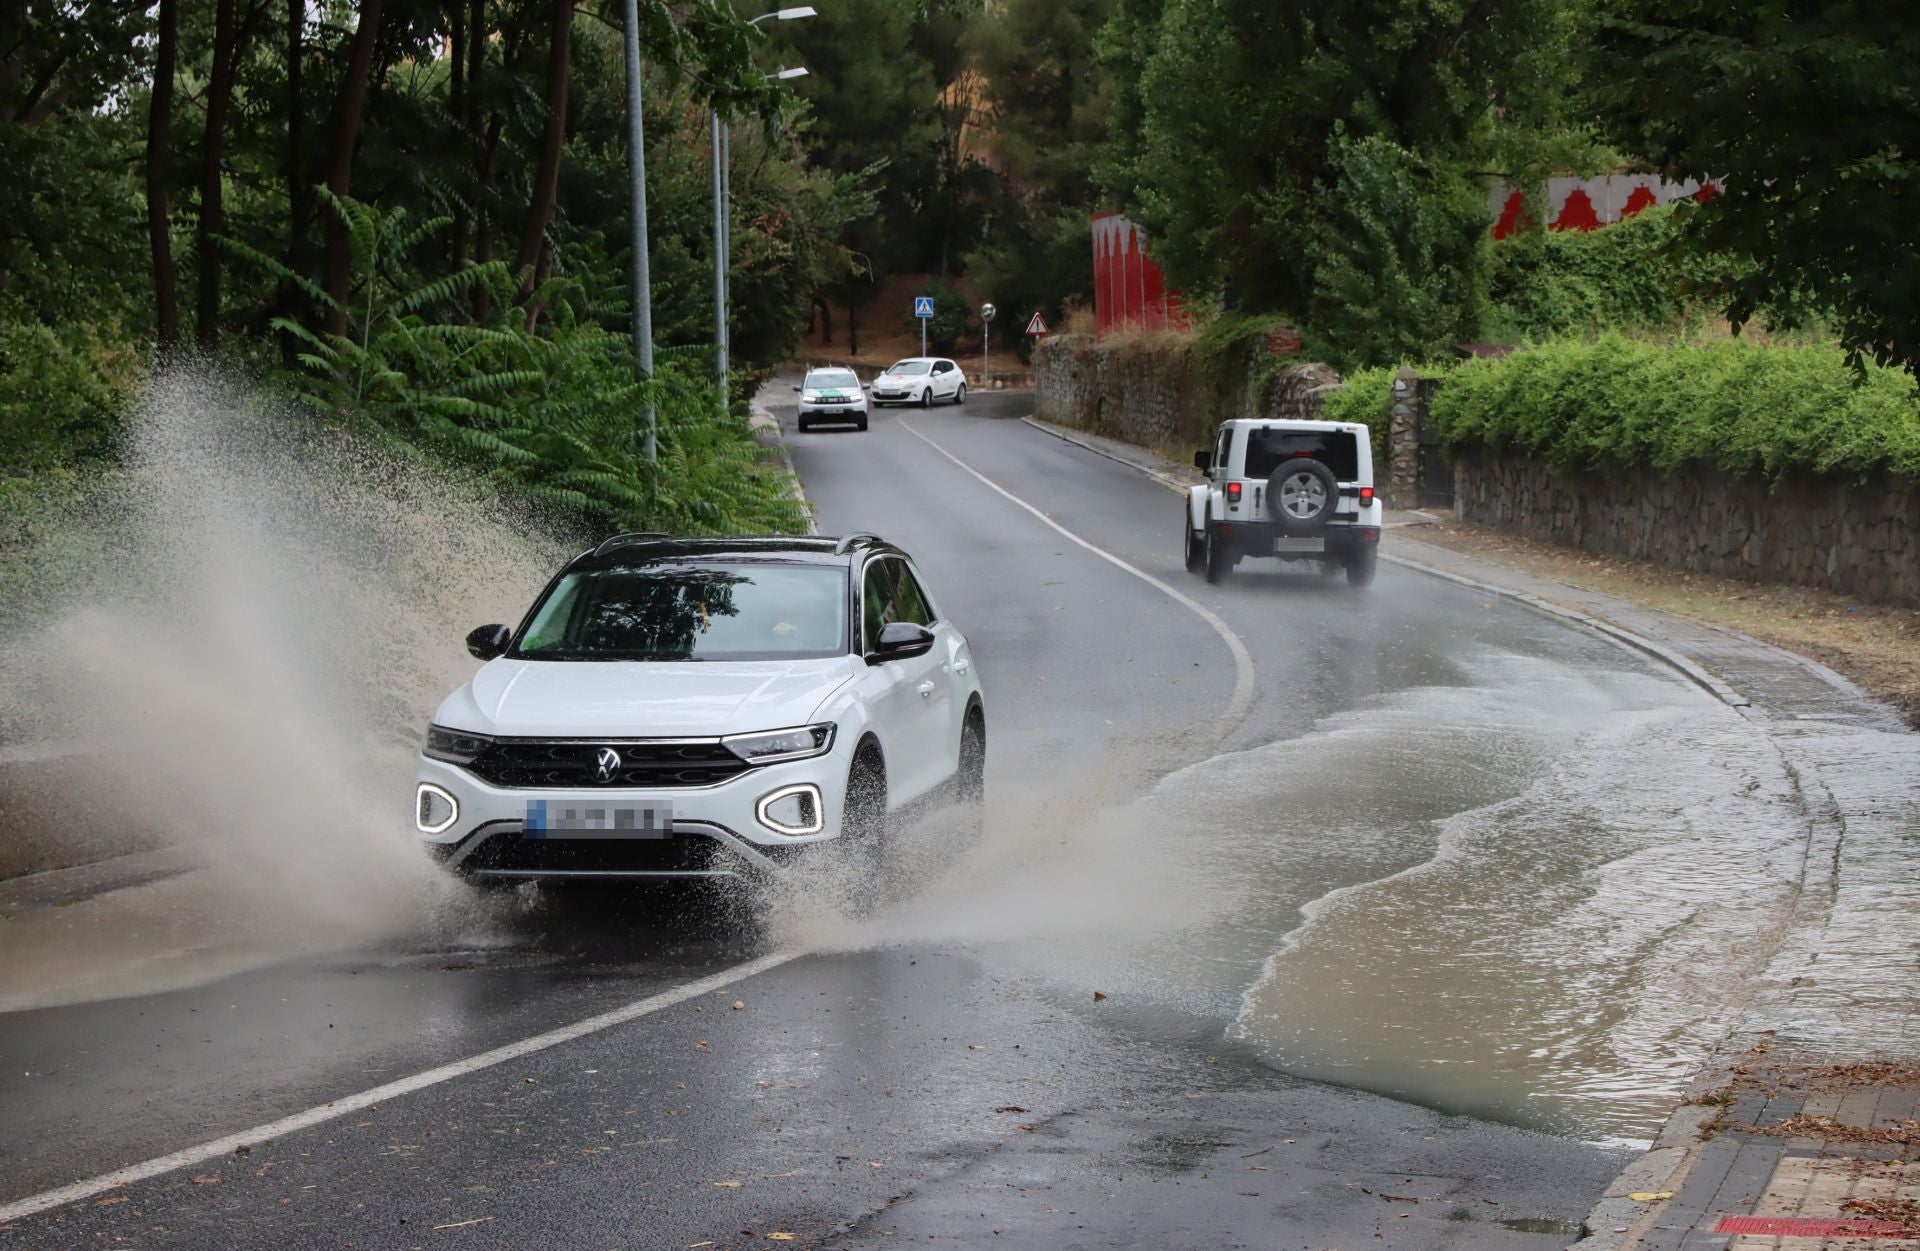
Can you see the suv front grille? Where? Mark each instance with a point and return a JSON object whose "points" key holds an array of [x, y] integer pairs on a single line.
{"points": [[565, 764]]}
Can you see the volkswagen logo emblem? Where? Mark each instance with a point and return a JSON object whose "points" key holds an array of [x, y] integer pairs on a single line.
{"points": [[606, 764]]}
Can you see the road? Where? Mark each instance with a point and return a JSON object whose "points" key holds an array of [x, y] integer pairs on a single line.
{"points": [[1358, 876]]}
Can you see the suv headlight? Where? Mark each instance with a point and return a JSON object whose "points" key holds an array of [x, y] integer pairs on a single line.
{"points": [[773, 746], [454, 746]]}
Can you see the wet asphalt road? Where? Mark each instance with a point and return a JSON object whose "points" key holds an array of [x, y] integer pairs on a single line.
{"points": [[938, 1090]]}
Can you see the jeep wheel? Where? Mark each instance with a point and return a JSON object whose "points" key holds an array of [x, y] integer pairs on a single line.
{"points": [[1218, 562], [1361, 565], [1195, 545], [1301, 495]]}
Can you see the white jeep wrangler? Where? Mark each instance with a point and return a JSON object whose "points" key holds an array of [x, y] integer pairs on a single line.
{"points": [[1294, 490]]}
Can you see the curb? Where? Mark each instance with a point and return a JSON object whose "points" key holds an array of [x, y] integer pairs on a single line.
{"points": [[766, 429]]}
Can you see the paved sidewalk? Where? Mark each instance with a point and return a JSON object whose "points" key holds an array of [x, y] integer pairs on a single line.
{"points": [[1804, 1130]]}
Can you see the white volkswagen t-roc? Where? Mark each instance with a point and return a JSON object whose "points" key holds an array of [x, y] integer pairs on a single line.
{"points": [[701, 708]]}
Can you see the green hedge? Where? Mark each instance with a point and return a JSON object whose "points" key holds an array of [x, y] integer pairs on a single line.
{"points": [[1362, 398], [1733, 405], [1636, 275]]}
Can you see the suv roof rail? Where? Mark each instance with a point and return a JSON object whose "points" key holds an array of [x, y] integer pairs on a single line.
{"points": [[859, 538], [621, 540]]}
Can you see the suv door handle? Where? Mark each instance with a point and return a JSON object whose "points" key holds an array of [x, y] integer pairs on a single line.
{"points": [[925, 689]]}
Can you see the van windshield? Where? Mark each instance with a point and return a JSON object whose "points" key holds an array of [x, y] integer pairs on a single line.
{"points": [[1268, 446]]}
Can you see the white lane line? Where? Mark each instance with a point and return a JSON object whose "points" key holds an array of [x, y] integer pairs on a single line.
{"points": [[1242, 661], [219, 1147]]}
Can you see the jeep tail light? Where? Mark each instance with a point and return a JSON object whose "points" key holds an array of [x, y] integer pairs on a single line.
{"points": [[1366, 496], [1233, 492]]}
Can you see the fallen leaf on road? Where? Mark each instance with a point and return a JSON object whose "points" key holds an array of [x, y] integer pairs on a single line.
{"points": [[739, 1005], [730, 1185], [701, 1045], [478, 1220], [695, 1246], [107, 1203], [1256, 1168], [1011, 1107], [243, 1149], [875, 1164], [1027, 1128], [1098, 995], [1648, 1196], [209, 1179], [779, 1237]]}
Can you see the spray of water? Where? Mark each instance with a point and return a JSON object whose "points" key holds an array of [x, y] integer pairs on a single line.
{"points": [[241, 683]]}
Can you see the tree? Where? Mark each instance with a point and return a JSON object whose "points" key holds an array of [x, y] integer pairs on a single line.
{"points": [[1808, 117], [343, 135], [553, 138], [159, 223], [1239, 100]]}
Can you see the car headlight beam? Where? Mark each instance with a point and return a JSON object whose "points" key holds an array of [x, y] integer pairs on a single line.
{"points": [[774, 746]]}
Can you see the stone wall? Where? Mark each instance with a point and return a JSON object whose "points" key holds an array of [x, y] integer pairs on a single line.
{"points": [[1855, 538], [1152, 392]]}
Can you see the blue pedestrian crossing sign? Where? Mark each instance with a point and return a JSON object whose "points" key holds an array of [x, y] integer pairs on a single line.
{"points": [[923, 306]]}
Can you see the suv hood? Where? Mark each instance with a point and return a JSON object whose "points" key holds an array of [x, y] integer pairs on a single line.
{"points": [[642, 699]]}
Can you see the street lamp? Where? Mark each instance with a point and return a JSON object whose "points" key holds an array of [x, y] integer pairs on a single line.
{"points": [[641, 276], [721, 138]]}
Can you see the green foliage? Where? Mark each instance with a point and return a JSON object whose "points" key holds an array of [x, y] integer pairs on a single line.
{"points": [[1240, 101], [554, 418], [1810, 114], [1616, 403], [1640, 275], [1362, 399], [64, 393], [951, 316], [1400, 256], [1037, 261]]}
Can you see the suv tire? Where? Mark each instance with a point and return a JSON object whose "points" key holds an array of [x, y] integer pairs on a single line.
{"points": [[970, 777], [1194, 545], [1218, 562], [1301, 495], [1361, 566], [861, 423], [863, 827]]}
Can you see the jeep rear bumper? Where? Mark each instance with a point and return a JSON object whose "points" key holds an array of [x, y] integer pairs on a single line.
{"points": [[1339, 539]]}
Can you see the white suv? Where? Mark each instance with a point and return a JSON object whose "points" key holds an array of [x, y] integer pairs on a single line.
{"points": [[1294, 490], [699, 708], [831, 394]]}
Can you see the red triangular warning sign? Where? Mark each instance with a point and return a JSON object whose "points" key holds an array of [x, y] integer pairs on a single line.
{"points": [[1038, 325]]}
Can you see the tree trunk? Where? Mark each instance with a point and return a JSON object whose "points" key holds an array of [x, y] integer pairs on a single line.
{"points": [[212, 206], [457, 100], [546, 180], [826, 319], [159, 229], [344, 134], [853, 329]]}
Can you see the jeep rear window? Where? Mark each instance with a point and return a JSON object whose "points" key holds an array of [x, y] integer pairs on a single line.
{"points": [[743, 611], [1267, 447]]}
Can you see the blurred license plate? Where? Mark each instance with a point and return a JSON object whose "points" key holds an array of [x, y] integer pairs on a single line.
{"points": [[1299, 545], [546, 819]]}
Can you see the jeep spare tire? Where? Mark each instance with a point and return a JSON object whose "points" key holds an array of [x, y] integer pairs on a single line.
{"points": [[1301, 495]]}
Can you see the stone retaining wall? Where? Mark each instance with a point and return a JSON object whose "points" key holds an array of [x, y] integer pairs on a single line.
{"points": [[1155, 394], [1855, 538]]}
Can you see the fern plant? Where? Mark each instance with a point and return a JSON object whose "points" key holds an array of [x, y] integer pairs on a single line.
{"points": [[541, 400]]}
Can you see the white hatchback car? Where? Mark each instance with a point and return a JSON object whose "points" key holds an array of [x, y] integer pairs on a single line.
{"points": [[702, 708], [832, 395], [920, 380]]}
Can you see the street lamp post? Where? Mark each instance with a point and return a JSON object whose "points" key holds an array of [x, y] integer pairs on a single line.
{"points": [[720, 137], [986, 333], [642, 280]]}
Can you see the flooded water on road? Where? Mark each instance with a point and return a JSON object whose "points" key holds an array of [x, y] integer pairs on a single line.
{"points": [[1537, 892]]}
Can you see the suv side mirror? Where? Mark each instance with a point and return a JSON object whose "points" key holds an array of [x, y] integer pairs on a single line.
{"points": [[1203, 460], [488, 641], [902, 639]]}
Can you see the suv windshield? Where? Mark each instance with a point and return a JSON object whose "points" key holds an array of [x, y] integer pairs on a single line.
{"points": [[721, 611], [1267, 447], [908, 367], [823, 378]]}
